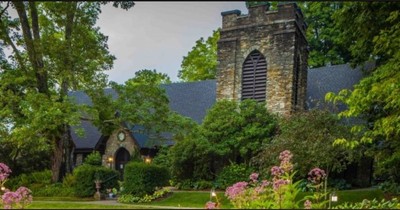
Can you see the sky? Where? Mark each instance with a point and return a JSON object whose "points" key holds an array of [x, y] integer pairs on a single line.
{"points": [[156, 35]]}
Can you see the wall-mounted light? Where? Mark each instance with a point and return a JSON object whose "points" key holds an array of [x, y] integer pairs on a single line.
{"points": [[110, 161], [147, 159]]}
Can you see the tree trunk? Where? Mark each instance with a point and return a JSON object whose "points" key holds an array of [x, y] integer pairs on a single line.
{"points": [[33, 45], [56, 160], [67, 140]]}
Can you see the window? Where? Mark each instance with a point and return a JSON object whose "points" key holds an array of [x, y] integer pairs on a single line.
{"points": [[254, 77]]}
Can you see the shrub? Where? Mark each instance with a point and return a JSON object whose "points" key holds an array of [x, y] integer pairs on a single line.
{"points": [[146, 198], [232, 174], [69, 180], [93, 159], [390, 187], [86, 175], [39, 179], [374, 204], [56, 189], [141, 178]]}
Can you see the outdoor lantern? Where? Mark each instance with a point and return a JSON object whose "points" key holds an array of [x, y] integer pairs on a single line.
{"points": [[147, 160], [3, 188], [213, 194], [334, 197], [110, 160]]}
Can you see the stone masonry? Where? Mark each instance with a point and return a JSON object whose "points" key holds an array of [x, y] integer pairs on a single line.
{"points": [[113, 144], [280, 37]]}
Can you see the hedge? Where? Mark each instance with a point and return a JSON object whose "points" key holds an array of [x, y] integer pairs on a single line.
{"points": [[141, 178], [86, 175]]}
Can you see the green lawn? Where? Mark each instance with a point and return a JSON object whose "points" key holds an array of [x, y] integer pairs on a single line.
{"points": [[76, 205], [194, 199], [188, 199]]}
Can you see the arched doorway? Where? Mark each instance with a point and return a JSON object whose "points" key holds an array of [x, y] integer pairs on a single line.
{"points": [[122, 156]]}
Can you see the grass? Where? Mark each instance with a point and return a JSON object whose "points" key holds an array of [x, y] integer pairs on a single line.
{"points": [[193, 199], [76, 205], [184, 199]]}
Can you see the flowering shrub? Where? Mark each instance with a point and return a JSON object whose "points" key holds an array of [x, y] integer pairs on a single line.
{"points": [[211, 205], [316, 177], [5, 171], [280, 192], [20, 198]]}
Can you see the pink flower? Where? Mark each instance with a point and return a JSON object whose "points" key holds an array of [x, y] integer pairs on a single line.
{"points": [[276, 171], [280, 182], [211, 205], [265, 183], [307, 204], [233, 191], [22, 196], [285, 156], [5, 171], [25, 195], [286, 166], [316, 175], [254, 177], [9, 198]]}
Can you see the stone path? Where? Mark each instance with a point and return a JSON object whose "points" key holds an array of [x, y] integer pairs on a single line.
{"points": [[114, 202]]}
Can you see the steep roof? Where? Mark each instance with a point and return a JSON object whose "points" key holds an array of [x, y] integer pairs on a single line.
{"points": [[193, 99]]}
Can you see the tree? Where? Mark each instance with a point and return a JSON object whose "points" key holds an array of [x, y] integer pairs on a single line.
{"points": [[237, 131], [321, 34], [372, 31], [201, 62], [146, 76], [55, 48], [309, 136]]}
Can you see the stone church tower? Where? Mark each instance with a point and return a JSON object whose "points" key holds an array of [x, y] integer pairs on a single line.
{"points": [[263, 56]]}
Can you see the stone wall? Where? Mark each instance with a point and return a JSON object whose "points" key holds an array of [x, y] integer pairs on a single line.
{"points": [[113, 144], [280, 37]]}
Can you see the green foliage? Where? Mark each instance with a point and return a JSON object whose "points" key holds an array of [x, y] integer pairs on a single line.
{"points": [[322, 36], [146, 198], [231, 174], [93, 159], [310, 136], [374, 204], [162, 158], [279, 193], [53, 190], [141, 178], [86, 175], [190, 160], [38, 178], [55, 49], [142, 103], [146, 77], [375, 98], [201, 61], [69, 180], [237, 131], [390, 187], [339, 184]]}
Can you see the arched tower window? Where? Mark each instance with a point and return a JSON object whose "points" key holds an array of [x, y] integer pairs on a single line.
{"points": [[254, 77]]}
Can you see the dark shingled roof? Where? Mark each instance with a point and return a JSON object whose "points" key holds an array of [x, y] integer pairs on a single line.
{"points": [[326, 79], [193, 99]]}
